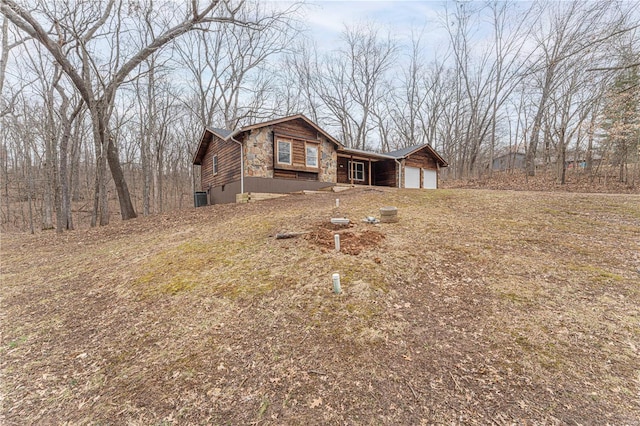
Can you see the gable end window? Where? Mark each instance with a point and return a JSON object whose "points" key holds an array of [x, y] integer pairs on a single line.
{"points": [[312, 156], [284, 152], [356, 170], [215, 164]]}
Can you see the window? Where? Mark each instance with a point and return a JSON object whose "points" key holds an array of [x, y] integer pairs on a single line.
{"points": [[215, 164], [284, 152], [356, 170], [312, 156]]}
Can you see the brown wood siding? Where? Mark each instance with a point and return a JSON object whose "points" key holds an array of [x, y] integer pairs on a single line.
{"points": [[296, 127], [228, 153], [298, 155], [299, 133], [422, 159], [384, 173], [343, 171]]}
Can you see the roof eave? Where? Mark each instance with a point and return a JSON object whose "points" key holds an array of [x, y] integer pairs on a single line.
{"points": [[197, 159], [366, 153]]}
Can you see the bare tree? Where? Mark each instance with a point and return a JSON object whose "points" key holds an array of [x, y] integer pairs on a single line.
{"points": [[85, 24], [350, 82], [570, 29], [230, 71]]}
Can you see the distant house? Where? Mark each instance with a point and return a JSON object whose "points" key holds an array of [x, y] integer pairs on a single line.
{"points": [[510, 158], [578, 160], [293, 154]]}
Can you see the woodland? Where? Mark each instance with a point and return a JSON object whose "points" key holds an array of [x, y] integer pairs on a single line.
{"points": [[102, 103]]}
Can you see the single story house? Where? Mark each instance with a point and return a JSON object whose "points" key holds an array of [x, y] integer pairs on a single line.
{"points": [[512, 158], [293, 154]]}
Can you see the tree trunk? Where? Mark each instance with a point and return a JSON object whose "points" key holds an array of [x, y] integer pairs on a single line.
{"points": [[126, 206]]}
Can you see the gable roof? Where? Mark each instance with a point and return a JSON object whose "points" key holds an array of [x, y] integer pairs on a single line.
{"points": [[398, 154], [405, 152], [225, 134], [290, 118], [205, 140]]}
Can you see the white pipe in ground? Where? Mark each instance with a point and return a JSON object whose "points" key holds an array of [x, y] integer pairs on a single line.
{"points": [[337, 202], [336, 239], [336, 284]]}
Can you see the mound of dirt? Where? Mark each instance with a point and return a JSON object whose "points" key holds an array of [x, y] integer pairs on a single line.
{"points": [[351, 241]]}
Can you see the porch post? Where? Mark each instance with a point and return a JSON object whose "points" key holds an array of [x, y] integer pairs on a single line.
{"points": [[350, 169], [369, 171]]}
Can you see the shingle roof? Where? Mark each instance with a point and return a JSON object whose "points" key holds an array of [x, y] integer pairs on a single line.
{"points": [[400, 153], [367, 153], [223, 133]]}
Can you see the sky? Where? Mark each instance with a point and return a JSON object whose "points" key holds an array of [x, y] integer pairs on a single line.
{"points": [[327, 18]]}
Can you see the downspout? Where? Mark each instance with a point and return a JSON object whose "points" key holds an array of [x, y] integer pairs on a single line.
{"points": [[399, 172], [231, 136]]}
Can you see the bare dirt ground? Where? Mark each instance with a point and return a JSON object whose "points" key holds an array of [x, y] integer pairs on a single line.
{"points": [[477, 307]]}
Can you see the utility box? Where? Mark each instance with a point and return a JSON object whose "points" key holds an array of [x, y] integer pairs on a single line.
{"points": [[200, 199], [388, 215]]}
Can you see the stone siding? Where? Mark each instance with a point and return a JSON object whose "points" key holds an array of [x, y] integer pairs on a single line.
{"points": [[328, 161], [259, 153]]}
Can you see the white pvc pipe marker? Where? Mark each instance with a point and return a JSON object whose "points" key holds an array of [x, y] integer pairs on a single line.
{"points": [[336, 239], [337, 202], [336, 284]]}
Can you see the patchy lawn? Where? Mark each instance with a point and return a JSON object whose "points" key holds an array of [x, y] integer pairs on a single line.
{"points": [[476, 307]]}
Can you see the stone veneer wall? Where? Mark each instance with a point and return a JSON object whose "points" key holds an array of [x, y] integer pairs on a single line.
{"points": [[259, 156], [259, 153], [328, 162]]}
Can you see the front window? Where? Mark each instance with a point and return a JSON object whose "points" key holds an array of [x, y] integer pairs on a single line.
{"points": [[356, 171], [312, 156], [284, 152]]}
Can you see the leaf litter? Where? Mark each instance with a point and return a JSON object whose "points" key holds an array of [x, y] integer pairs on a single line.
{"points": [[476, 307]]}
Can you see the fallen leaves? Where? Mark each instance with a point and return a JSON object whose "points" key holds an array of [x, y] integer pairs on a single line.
{"points": [[315, 403], [493, 306]]}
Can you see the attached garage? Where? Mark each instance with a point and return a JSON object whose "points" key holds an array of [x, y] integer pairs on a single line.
{"points": [[412, 167], [411, 177]]}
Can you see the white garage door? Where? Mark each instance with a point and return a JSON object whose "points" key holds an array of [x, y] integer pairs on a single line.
{"points": [[429, 179], [411, 177]]}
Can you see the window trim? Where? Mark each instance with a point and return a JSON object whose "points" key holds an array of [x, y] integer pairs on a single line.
{"points": [[351, 170], [306, 155], [290, 143], [214, 164]]}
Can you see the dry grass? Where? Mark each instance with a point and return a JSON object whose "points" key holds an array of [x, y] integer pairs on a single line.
{"points": [[477, 307]]}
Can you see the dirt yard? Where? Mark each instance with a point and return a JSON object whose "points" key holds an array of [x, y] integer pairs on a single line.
{"points": [[477, 307]]}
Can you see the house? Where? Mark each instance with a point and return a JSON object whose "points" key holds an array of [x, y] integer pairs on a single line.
{"points": [[293, 153], [510, 158], [578, 160]]}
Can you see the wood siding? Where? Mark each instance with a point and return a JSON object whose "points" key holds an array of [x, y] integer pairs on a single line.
{"points": [[385, 173], [422, 159], [299, 134], [292, 174], [228, 163], [297, 128]]}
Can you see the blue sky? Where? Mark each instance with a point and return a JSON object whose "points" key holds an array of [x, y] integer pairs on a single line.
{"points": [[327, 18]]}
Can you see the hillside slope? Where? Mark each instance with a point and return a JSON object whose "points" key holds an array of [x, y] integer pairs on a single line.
{"points": [[476, 307]]}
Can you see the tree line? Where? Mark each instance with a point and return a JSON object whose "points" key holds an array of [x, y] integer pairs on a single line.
{"points": [[107, 99]]}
